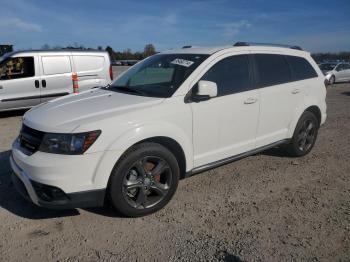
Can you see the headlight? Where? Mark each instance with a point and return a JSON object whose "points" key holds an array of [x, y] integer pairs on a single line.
{"points": [[68, 144]]}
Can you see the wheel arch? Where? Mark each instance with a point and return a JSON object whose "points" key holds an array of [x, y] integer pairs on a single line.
{"points": [[173, 138], [173, 146], [313, 108]]}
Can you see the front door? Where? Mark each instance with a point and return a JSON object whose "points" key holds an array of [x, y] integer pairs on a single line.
{"points": [[19, 82], [226, 125]]}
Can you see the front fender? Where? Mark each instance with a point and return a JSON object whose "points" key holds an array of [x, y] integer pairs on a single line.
{"points": [[135, 135]]}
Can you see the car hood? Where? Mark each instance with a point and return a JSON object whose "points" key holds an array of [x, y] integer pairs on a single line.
{"points": [[67, 113]]}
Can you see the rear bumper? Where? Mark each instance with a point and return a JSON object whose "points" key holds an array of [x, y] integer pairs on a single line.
{"points": [[53, 197]]}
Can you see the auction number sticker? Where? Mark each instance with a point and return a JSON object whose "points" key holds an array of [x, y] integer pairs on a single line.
{"points": [[182, 62]]}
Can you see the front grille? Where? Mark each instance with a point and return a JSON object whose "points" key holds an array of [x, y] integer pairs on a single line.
{"points": [[30, 139]]}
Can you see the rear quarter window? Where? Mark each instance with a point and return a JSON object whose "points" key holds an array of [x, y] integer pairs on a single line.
{"points": [[301, 68], [88, 63], [53, 65], [272, 69]]}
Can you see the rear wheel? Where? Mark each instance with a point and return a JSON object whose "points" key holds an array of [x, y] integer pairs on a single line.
{"points": [[144, 180], [304, 136]]}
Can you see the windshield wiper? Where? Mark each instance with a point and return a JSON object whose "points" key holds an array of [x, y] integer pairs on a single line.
{"points": [[128, 89]]}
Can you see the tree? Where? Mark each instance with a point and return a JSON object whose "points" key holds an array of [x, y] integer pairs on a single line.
{"points": [[149, 50], [45, 47], [110, 52], [100, 48]]}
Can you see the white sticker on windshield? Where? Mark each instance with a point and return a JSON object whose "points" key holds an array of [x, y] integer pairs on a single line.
{"points": [[182, 62]]}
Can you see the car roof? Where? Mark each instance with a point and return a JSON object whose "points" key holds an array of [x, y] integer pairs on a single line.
{"points": [[55, 51], [214, 49]]}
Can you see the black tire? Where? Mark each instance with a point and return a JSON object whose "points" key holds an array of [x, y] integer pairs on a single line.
{"points": [[305, 135], [332, 80], [135, 188]]}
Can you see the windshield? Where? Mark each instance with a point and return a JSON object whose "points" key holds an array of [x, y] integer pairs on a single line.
{"points": [[158, 76], [327, 67]]}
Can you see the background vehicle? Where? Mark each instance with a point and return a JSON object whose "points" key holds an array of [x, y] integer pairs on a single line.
{"points": [[171, 115], [28, 78], [336, 72]]}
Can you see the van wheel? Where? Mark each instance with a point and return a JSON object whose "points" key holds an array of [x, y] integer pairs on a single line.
{"points": [[304, 136], [144, 180], [332, 80]]}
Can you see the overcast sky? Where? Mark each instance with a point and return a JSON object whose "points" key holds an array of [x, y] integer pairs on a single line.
{"points": [[315, 25]]}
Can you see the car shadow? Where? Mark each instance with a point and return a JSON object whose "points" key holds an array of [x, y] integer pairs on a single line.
{"points": [[14, 113], [275, 151]]}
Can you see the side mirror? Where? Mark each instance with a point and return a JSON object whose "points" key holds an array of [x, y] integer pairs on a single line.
{"points": [[205, 91]]}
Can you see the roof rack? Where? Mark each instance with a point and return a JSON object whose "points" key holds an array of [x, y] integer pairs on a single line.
{"points": [[267, 44], [186, 46]]}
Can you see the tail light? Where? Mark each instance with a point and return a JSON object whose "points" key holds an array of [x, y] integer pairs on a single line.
{"points": [[111, 72]]}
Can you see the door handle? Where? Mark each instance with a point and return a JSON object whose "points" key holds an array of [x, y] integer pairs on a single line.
{"points": [[36, 83], [250, 101], [43, 83], [295, 91]]}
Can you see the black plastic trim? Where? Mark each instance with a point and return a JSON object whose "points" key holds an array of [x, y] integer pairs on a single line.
{"points": [[34, 97], [91, 198], [234, 158]]}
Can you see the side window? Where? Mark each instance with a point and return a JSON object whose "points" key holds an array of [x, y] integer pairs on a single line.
{"points": [[17, 67], [301, 68], [340, 67], [272, 69], [53, 65], [347, 66], [232, 75]]}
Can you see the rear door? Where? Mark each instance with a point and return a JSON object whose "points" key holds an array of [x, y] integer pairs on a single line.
{"points": [[343, 72], [279, 97], [56, 77], [91, 70], [19, 82], [347, 72]]}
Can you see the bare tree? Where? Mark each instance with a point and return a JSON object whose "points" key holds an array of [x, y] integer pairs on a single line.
{"points": [[45, 47], [149, 50]]}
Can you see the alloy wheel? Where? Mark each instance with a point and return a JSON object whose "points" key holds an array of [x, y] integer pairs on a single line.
{"points": [[147, 182], [306, 136]]}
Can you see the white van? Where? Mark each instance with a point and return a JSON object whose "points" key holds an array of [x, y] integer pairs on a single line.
{"points": [[28, 78], [172, 115]]}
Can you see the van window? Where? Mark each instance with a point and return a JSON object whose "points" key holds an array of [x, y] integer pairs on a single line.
{"points": [[17, 67], [301, 68], [272, 69], [53, 65], [88, 63], [231, 75]]}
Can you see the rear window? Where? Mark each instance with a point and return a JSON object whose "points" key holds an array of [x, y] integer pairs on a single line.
{"points": [[301, 68], [272, 69], [53, 65], [88, 63]]}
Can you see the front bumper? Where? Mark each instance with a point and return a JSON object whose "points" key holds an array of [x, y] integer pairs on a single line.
{"points": [[53, 197]]}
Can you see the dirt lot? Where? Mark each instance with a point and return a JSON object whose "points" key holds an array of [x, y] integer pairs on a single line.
{"points": [[266, 207]]}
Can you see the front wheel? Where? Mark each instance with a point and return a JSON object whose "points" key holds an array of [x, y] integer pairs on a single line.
{"points": [[144, 180], [304, 136]]}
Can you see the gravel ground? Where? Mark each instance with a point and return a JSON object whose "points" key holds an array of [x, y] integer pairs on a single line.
{"points": [[266, 207]]}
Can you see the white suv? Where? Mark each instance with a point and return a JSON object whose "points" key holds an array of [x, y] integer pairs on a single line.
{"points": [[172, 115]]}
